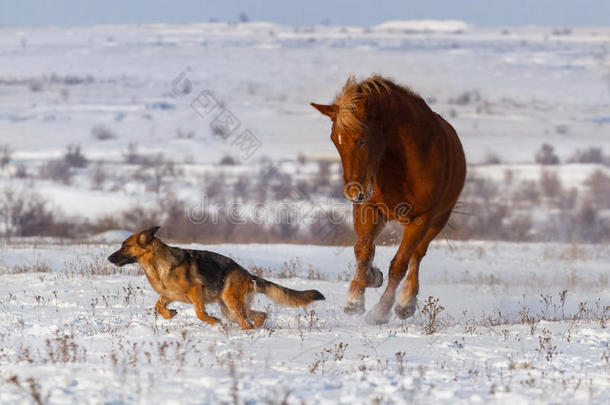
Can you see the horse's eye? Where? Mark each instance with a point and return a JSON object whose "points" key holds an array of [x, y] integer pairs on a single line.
{"points": [[360, 142]]}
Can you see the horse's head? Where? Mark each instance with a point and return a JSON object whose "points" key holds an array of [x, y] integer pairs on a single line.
{"points": [[356, 133]]}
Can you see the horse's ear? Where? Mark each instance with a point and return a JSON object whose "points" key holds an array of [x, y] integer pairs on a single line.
{"points": [[328, 110]]}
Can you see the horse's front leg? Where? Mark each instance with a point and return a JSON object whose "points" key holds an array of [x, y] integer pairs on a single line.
{"points": [[411, 236], [368, 222]]}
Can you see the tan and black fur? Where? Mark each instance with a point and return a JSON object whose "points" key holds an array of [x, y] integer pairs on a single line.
{"points": [[201, 277]]}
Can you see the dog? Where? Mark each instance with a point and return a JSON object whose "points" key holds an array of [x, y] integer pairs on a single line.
{"points": [[201, 277]]}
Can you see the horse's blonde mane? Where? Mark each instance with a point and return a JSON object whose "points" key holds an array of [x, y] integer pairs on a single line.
{"points": [[376, 88], [352, 92]]}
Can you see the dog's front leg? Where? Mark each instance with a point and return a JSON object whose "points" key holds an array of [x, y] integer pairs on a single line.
{"points": [[161, 308]]}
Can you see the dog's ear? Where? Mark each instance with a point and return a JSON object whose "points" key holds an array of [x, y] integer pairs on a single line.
{"points": [[146, 236]]}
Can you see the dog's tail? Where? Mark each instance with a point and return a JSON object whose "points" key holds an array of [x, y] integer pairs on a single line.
{"points": [[286, 296]]}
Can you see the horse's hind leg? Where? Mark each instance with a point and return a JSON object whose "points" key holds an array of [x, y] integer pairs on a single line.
{"points": [[411, 236], [407, 300], [368, 222]]}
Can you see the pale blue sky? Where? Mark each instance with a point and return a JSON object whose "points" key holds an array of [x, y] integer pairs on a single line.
{"points": [[23, 13]]}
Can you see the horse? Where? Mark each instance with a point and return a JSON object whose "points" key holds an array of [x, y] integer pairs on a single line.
{"points": [[401, 161]]}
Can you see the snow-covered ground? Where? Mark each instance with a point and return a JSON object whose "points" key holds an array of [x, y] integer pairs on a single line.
{"points": [[74, 329]]}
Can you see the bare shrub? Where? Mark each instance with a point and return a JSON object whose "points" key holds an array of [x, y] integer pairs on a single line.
{"points": [[261, 189], [27, 214], [483, 189], [241, 187], [21, 172], [492, 158], [550, 184], [214, 185], [323, 173], [466, 98], [220, 131], [5, 155], [227, 160], [518, 228], [546, 155], [285, 226], [63, 348], [546, 346], [98, 176], [132, 156], [56, 170], [587, 226], [37, 267], [599, 188], [35, 86], [431, 309], [527, 191], [158, 168], [561, 31], [139, 217], [272, 182], [590, 155], [490, 221], [73, 157], [326, 231], [102, 133], [71, 79], [562, 129], [32, 388], [105, 223], [577, 226], [527, 318], [282, 186], [568, 199], [184, 134]]}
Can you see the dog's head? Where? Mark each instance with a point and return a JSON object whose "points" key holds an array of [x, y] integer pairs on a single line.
{"points": [[134, 247]]}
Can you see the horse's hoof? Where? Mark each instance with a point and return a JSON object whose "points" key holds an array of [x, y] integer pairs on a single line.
{"points": [[404, 312], [378, 315], [376, 277], [354, 307]]}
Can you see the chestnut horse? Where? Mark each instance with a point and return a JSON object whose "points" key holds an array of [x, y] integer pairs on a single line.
{"points": [[401, 161]]}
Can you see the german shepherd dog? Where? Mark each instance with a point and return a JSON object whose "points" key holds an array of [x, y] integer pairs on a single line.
{"points": [[201, 277]]}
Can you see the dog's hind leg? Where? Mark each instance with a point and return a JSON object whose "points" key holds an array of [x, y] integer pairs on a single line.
{"points": [[161, 308], [196, 296], [234, 295], [235, 303], [230, 315], [257, 317]]}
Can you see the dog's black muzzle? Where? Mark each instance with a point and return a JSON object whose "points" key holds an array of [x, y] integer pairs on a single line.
{"points": [[120, 259]]}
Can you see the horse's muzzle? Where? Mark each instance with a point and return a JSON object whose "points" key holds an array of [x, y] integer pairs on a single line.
{"points": [[357, 193]]}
